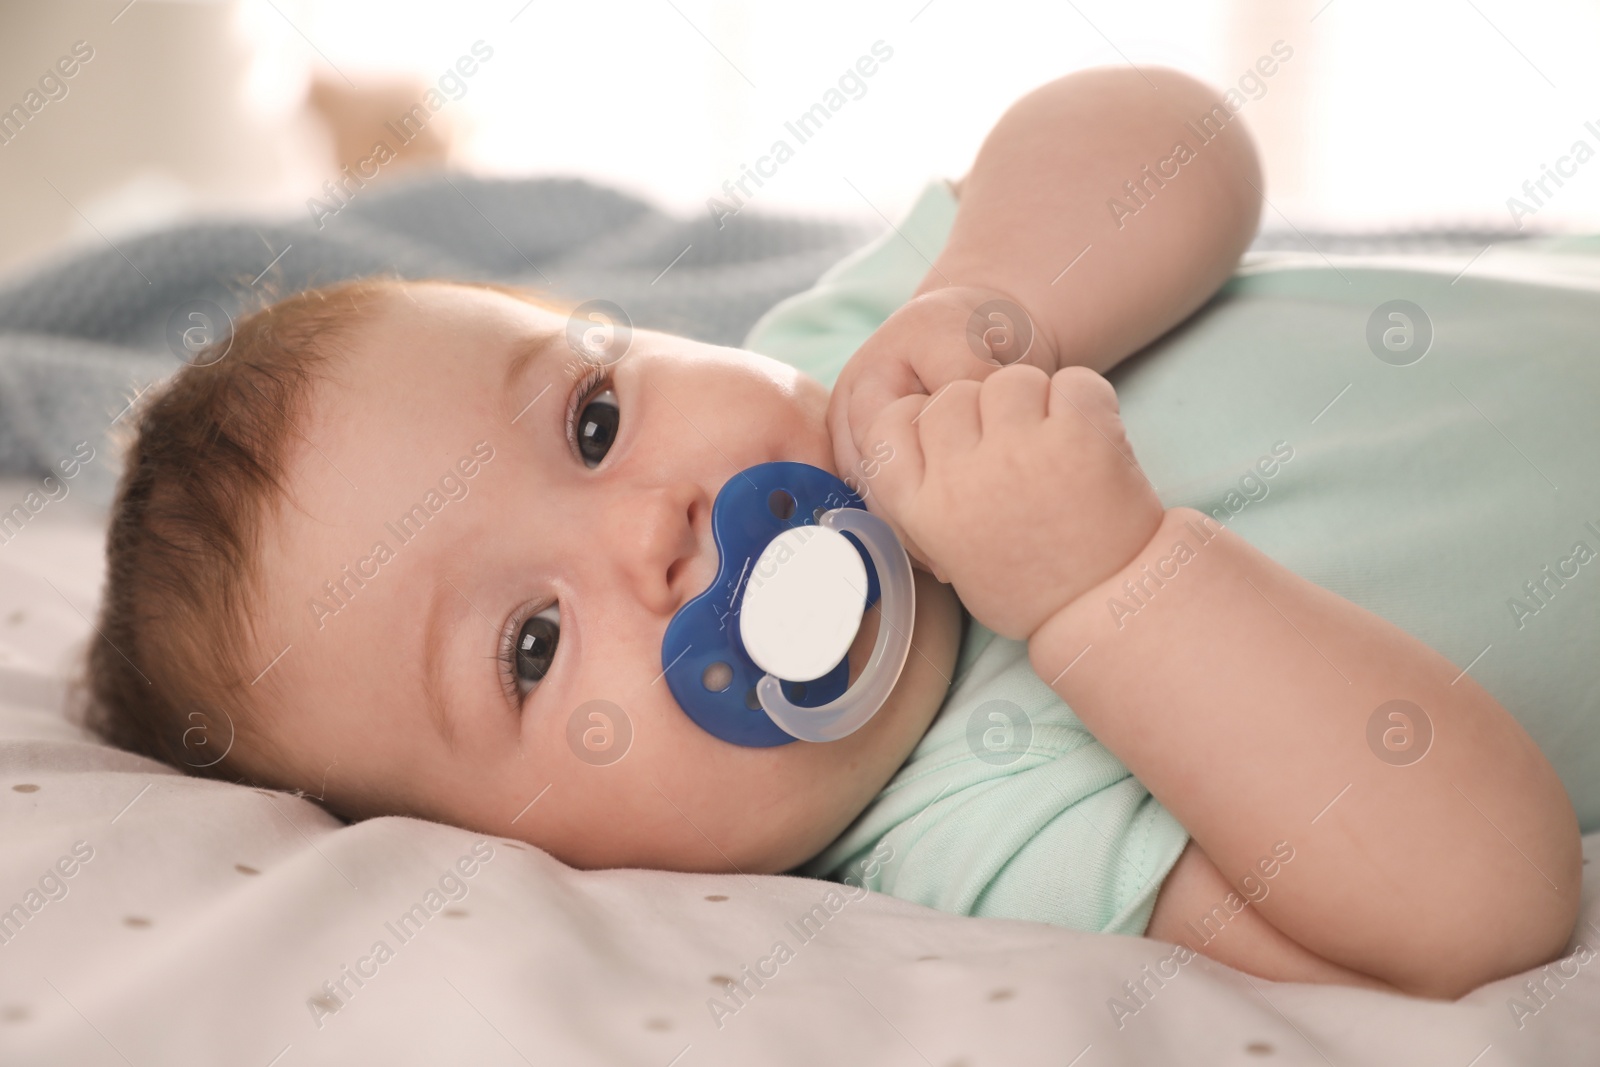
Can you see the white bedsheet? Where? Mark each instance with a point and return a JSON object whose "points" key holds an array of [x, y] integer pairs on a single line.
{"points": [[207, 918]]}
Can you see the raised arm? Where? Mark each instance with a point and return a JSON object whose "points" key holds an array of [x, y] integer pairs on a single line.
{"points": [[1109, 204], [1047, 222]]}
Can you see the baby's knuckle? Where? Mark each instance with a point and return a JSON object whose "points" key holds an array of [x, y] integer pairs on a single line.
{"points": [[898, 411], [1021, 372], [957, 396], [1019, 379], [1096, 387], [1085, 384], [1065, 376]]}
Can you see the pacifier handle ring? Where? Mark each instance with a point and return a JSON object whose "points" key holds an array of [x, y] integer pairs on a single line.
{"points": [[896, 611]]}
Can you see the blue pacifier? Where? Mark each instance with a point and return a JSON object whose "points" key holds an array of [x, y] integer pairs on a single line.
{"points": [[760, 658]]}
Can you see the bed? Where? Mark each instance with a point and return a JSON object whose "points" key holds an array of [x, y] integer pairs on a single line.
{"points": [[151, 918]]}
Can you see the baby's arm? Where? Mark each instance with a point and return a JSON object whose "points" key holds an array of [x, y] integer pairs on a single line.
{"points": [[1244, 698], [1238, 693], [1035, 227], [1038, 198]]}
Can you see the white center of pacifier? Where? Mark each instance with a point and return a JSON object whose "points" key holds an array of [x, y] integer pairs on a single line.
{"points": [[803, 603]]}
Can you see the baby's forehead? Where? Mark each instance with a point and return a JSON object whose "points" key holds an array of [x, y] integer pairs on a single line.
{"points": [[416, 358], [430, 327], [412, 389]]}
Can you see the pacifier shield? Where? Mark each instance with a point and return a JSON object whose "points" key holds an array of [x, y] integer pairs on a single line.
{"points": [[704, 657], [803, 603]]}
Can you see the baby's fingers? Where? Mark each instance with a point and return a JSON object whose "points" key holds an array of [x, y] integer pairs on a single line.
{"points": [[1087, 403], [890, 493], [894, 434], [1014, 396], [1087, 389], [874, 378], [906, 357], [928, 343]]}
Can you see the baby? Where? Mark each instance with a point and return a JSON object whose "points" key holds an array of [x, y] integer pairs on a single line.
{"points": [[405, 549]]}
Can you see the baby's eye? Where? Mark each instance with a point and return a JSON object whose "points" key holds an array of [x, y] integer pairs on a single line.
{"points": [[534, 647], [596, 427]]}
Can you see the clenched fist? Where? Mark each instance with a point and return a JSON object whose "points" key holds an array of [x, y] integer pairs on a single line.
{"points": [[1021, 490], [946, 335]]}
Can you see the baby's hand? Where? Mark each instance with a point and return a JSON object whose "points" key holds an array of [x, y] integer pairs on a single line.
{"points": [[1020, 490], [950, 334]]}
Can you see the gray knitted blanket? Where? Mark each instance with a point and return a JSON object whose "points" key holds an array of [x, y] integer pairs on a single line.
{"points": [[80, 335]]}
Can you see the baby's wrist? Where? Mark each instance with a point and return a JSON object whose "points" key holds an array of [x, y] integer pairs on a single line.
{"points": [[996, 316], [1105, 607], [1043, 350]]}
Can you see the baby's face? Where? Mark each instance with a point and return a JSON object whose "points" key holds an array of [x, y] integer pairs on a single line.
{"points": [[510, 574]]}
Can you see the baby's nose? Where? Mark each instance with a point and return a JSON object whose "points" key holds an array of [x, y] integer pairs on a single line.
{"points": [[660, 541]]}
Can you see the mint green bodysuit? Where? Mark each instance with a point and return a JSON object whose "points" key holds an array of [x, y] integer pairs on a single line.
{"points": [[1455, 493]]}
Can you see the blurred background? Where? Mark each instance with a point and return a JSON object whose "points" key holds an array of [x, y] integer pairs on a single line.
{"points": [[1427, 113]]}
